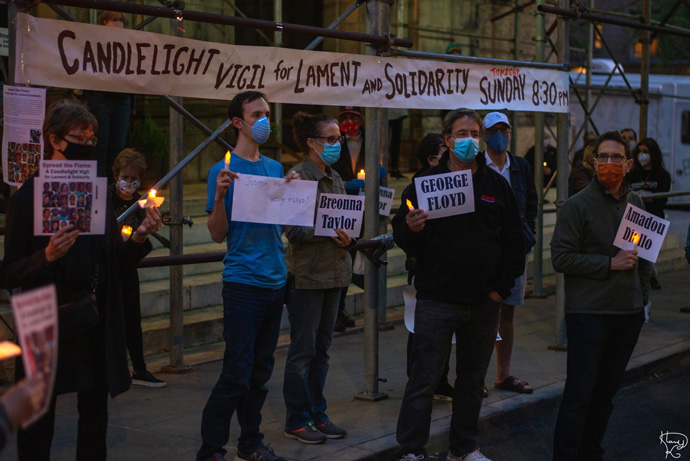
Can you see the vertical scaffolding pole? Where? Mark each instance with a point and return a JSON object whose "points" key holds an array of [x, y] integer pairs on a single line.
{"points": [[588, 76], [383, 225], [516, 56], [278, 108], [538, 166], [644, 70], [562, 183], [377, 18], [176, 238]]}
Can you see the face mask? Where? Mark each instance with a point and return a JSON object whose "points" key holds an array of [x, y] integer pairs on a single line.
{"points": [[261, 130], [350, 127], [610, 175], [498, 142], [466, 149], [127, 188], [644, 158], [331, 153], [75, 151]]}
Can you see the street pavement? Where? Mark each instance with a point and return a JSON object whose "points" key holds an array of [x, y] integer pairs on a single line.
{"points": [[164, 423]]}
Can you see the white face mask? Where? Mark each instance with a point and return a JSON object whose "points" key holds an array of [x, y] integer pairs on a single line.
{"points": [[127, 188], [644, 158]]}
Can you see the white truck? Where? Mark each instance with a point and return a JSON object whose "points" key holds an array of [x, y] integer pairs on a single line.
{"points": [[668, 116]]}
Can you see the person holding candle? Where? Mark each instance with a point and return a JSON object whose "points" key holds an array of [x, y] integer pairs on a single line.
{"points": [[128, 169], [93, 361], [254, 280], [466, 266], [321, 267], [605, 289], [350, 165]]}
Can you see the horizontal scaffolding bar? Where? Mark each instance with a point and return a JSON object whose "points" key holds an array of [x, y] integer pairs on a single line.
{"points": [[476, 60], [615, 21], [210, 18]]}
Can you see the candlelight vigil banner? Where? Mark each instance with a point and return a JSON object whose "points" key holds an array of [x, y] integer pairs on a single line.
{"points": [[74, 55], [641, 231]]}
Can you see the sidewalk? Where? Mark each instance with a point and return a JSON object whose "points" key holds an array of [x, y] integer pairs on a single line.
{"points": [[164, 423]]}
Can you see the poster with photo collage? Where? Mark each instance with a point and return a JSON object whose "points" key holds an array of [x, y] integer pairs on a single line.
{"points": [[69, 193]]}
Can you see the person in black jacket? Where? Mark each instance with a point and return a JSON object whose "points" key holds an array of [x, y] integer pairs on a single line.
{"points": [[91, 362], [466, 266], [518, 173]]}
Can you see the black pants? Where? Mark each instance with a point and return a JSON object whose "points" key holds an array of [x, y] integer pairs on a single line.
{"points": [[599, 348], [33, 444], [129, 281], [395, 127]]}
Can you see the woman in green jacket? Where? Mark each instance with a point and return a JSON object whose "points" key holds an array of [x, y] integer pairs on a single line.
{"points": [[321, 267]]}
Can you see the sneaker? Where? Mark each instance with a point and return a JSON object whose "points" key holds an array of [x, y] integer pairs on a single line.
{"points": [[306, 434], [331, 431], [412, 457], [444, 392], [476, 455], [264, 453], [145, 378]]}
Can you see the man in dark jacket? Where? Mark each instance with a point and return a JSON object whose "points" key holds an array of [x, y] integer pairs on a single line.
{"points": [[466, 266], [515, 170], [605, 289]]}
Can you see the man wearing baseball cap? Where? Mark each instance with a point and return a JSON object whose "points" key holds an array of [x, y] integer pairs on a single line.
{"points": [[515, 170]]}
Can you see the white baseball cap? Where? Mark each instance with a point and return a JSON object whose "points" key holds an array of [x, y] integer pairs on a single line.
{"points": [[493, 118]]}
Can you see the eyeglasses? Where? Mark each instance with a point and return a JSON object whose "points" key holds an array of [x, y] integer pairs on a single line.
{"points": [[505, 130], [83, 139], [332, 139], [466, 134], [613, 158]]}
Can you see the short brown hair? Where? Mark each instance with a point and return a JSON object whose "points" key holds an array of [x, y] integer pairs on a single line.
{"points": [[457, 114], [62, 117], [612, 136], [129, 157], [305, 125], [109, 16]]}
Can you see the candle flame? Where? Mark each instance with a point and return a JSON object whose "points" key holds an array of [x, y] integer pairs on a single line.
{"points": [[635, 238], [152, 193], [409, 204], [544, 163], [361, 171], [227, 158], [126, 230], [9, 349]]}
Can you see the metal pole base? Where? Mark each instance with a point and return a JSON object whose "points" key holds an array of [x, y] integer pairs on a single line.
{"points": [[386, 326], [173, 370], [371, 397], [557, 348]]}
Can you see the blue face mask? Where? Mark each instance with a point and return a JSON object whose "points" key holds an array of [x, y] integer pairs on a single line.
{"points": [[466, 149], [331, 153], [498, 142], [261, 130]]}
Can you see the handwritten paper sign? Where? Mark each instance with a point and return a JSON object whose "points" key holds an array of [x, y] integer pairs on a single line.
{"points": [[74, 55], [264, 200], [339, 211], [446, 194], [644, 228], [69, 193], [35, 315], [385, 200]]}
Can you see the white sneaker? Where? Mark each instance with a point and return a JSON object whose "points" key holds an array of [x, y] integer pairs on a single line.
{"points": [[412, 457], [647, 310], [476, 455]]}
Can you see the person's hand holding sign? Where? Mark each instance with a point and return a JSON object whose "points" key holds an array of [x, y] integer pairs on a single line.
{"points": [[416, 218], [342, 239], [624, 260], [292, 174], [60, 243]]}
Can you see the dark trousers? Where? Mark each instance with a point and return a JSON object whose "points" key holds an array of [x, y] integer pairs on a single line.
{"points": [[599, 348], [129, 280], [475, 330], [312, 317], [446, 369], [395, 127], [112, 112], [33, 444], [251, 317]]}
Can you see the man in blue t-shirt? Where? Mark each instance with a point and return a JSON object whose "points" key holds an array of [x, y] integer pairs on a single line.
{"points": [[253, 291]]}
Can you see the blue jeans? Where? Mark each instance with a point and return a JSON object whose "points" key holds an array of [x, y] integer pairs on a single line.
{"points": [[475, 330], [599, 348], [251, 317], [312, 317]]}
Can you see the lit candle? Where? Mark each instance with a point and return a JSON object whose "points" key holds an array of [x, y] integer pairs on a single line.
{"points": [[544, 163], [633, 241], [227, 160], [9, 349], [151, 200], [360, 175], [409, 205], [152, 193], [126, 233]]}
